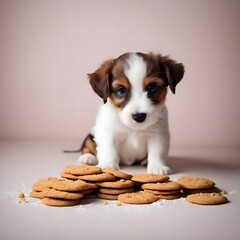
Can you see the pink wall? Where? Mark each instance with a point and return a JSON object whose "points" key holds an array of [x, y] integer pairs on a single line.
{"points": [[48, 46]]}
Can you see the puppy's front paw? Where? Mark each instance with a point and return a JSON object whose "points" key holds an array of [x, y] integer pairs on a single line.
{"points": [[88, 159], [157, 168], [112, 165]]}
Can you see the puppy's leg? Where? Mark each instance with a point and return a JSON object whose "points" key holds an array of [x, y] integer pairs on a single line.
{"points": [[107, 154], [107, 157], [158, 148], [88, 151]]}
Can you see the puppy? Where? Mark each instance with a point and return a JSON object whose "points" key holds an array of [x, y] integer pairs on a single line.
{"points": [[132, 123]]}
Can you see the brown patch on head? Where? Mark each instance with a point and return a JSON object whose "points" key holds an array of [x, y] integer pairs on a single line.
{"points": [[109, 71], [164, 68], [120, 88], [109, 81], [89, 145], [120, 92], [99, 79], [156, 89]]}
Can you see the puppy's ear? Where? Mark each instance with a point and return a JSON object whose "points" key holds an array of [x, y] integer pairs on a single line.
{"points": [[174, 72], [99, 80]]}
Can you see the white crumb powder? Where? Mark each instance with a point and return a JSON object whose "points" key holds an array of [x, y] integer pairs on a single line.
{"points": [[113, 205], [90, 204], [13, 195], [232, 192]]}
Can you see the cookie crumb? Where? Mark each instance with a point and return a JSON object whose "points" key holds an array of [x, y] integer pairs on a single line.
{"points": [[105, 203], [22, 198], [118, 204], [21, 195]]}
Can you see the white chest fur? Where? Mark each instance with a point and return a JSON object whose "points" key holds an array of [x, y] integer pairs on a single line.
{"points": [[115, 140], [131, 146]]}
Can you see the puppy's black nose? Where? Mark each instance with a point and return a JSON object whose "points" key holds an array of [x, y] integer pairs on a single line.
{"points": [[139, 117]]}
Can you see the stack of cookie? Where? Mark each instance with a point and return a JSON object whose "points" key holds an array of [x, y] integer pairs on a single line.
{"points": [[78, 181], [201, 191], [165, 190], [142, 197], [60, 192], [158, 185], [86, 173], [192, 185], [110, 190], [111, 183]]}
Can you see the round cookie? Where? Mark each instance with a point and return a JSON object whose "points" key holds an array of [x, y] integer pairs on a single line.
{"points": [[72, 186], [98, 177], [82, 170], [206, 198], [59, 202], [37, 194], [44, 183], [63, 185], [195, 183], [68, 176], [107, 196], [149, 178], [137, 198], [52, 193], [158, 192], [206, 190], [87, 191], [115, 191], [169, 197], [117, 174], [117, 184], [165, 186]]}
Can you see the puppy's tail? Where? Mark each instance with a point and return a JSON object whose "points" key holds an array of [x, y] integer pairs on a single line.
{"points": [[73, 151], [88, 146]]}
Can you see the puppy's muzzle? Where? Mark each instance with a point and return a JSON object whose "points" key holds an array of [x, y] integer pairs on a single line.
{"points": [[139, 117]]}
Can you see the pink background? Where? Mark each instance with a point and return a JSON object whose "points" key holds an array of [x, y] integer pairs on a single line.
{"points": [[48, 47]]}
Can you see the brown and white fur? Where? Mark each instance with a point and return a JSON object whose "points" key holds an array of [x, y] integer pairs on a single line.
{"points": [[132, 123]]}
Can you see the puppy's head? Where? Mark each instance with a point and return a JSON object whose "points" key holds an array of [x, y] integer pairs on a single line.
{"points": [[136, 85]]}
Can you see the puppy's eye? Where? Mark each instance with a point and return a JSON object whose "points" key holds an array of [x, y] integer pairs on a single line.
{"points": [[152, 88], [121, 92]]}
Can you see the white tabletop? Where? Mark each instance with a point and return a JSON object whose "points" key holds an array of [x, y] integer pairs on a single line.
{"points": [[25, 162]]}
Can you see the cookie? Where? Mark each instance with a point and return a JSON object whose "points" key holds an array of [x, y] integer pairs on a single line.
{"points": [[117, 174], [158, 192], [149, 178], [137, 198], [206, 198], [44, 183], [115, 191], [117, 184], [165, 186], [98, 177], [52, 193], [62, 185], [69, 176], [59, 202], [206, 190], [169, 197], [195, 183], [82, 170], [69, 185], [37, 194], [107, 196], [87, 191]]}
